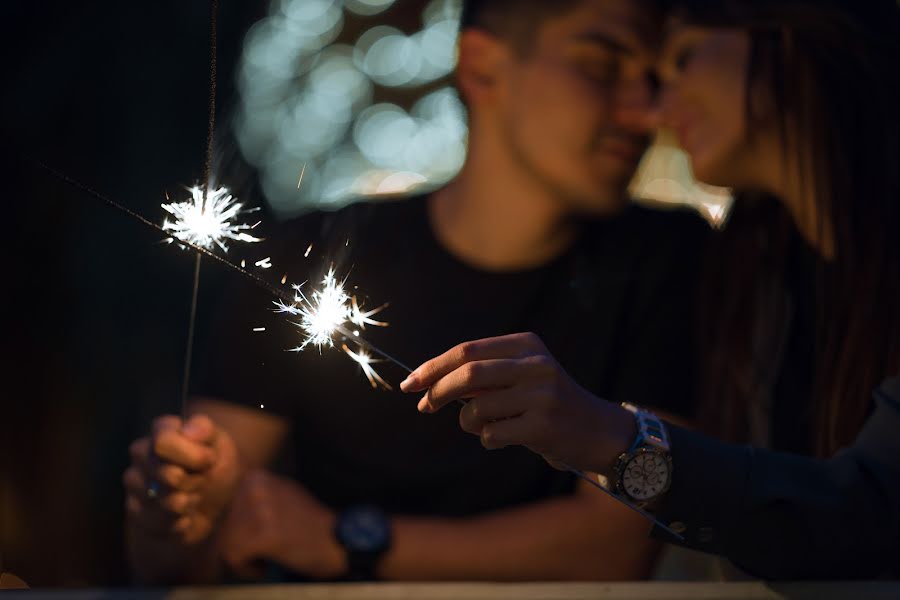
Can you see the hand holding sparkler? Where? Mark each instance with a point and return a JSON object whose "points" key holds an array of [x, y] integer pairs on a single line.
{"points": [[181, 479], [515, 393]]}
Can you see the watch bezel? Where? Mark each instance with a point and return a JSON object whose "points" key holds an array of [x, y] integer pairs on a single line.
{"points": [[622, 464]]}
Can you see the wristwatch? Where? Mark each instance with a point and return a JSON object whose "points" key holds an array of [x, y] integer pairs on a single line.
{"points": [[643, 473], [365, 533]]}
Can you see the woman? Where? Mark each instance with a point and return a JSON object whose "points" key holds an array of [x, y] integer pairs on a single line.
{"points": [[792, 104]]}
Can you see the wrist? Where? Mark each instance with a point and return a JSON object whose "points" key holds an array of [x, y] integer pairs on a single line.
{"points": [[620, 433], [333, 557]]}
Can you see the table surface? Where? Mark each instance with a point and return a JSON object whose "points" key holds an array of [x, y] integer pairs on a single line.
{"points": [[491, 591]]}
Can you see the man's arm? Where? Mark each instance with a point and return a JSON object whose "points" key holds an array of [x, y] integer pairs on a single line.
{"points": [[586, 536]]}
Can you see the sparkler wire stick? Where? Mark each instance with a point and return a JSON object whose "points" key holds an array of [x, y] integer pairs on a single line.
{"points": [[207, 176], [289, 299]]}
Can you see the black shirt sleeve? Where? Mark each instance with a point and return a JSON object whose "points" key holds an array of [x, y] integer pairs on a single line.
{"points": [[784, 516]]}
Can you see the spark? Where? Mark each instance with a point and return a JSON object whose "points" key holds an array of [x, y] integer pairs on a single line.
{"points": [[265, 263], [326, 311], [284, 280], [364, 360], [308, 250], [243, 264], [208, 222], [259, 329], [361, 318], [302, 171]]}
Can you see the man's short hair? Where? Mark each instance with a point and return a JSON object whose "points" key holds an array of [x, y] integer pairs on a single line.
{"points": [[515, 20], [519, 20]]}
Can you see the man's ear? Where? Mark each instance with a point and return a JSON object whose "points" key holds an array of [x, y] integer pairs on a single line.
{"points": [[483, 60]]}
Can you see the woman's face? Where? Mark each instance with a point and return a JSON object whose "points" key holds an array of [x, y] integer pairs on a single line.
{"points": [[707, 103], [704, 102]]}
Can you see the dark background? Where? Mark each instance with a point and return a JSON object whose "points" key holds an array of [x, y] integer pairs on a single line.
{"points": [[94, 308]]}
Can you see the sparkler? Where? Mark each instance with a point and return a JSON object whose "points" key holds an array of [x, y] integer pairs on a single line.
{"points": [[330, 310], [208, 221]]}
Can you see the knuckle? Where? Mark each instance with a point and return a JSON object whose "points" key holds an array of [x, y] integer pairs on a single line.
{"points": [[476, 410], [469, 373], [161, 444], [532, 339], [467, 423], [488, 437], [466, 351]]}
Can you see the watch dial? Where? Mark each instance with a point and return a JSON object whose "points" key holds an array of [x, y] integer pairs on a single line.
{"points": [[364, 530], [646, 475]]}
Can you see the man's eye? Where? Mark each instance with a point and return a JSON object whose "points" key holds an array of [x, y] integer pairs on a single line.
{"points": [[683, 58]]}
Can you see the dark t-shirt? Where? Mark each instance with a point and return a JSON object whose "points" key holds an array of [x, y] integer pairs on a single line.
{"points": [[614, 310]]}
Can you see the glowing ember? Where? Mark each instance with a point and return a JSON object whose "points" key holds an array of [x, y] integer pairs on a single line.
{"points": [[364, 360], [208, 223]]}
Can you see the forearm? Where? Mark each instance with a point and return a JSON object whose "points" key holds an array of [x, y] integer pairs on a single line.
{"points": [[783, 516], [582, 537]]}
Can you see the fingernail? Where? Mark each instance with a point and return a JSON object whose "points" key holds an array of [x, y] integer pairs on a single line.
{"points": [[409, 383], [424, 406]]}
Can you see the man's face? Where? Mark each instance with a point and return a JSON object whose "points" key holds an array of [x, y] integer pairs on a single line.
{"points": [[574, 110]]}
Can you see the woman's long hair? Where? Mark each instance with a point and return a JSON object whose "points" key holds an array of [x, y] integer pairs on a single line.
{"points": [[831, 68]]}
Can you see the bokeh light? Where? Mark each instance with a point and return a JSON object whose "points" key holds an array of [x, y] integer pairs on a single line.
{"points": [[310, 100]]}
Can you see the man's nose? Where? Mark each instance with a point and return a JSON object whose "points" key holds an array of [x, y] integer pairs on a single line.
{"points": [[638, 105]]}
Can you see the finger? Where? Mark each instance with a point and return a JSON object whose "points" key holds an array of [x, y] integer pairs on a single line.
{"points": [[508, 346], [141, 511], [173, 447], [174, 477], [165, 423], [476, 379], [471, 380], [495, 406], [518, 431], [168, 502], [140, 453], [200, 428]]}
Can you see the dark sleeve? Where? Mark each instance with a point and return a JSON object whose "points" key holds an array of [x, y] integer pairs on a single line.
{"points": [[782, 516], [657, 364]]}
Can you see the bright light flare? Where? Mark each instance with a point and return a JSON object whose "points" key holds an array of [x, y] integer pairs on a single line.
{"points": [[208, 223], [328, 310], [364, 360]]}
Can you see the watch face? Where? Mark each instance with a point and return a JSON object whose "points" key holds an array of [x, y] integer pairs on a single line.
{"points": [[646, 475], [364, 530]]}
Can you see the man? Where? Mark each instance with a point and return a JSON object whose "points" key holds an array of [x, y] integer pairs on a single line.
{"points": [[534, 234]]}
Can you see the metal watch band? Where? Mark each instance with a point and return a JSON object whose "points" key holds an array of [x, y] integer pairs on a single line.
{"points": [[651, 430]]}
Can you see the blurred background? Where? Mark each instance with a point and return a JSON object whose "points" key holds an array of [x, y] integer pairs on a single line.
{"points": [[356, 95]]}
